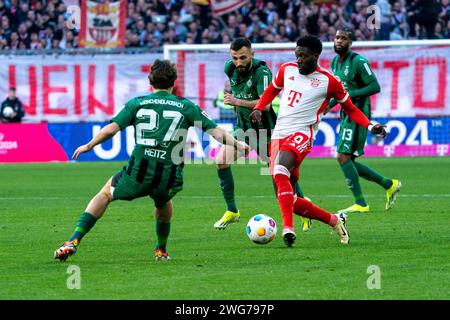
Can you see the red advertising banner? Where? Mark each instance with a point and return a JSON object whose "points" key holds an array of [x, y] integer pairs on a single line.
{"points": [[220, 7], [73, 89], [103, 23], [94, 88]]}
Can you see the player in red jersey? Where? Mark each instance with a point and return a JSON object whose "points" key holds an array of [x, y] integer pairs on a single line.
{"points": [[307, 89]]}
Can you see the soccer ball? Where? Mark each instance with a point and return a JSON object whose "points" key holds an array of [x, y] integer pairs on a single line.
{"points": [[261, 229], [8, 112]]}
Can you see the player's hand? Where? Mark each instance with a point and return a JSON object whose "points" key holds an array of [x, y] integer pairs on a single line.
{"points": [[229, 99], [255, 116], [81, 149], [379, 130]]}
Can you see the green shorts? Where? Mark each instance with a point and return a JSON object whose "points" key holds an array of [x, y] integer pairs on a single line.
{"points": [[258, 140], [352, 138], [161, 186]]}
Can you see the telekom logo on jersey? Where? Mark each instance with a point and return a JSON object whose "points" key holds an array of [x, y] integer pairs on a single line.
{"points": [[294, 97]]}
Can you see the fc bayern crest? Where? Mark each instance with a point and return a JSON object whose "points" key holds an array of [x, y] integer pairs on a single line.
{"points": [[315, 83]]}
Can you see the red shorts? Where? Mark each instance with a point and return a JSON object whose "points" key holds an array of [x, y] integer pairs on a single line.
{"points": [[298, 144]]}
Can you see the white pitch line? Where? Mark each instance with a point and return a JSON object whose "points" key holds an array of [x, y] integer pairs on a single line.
{"points": [[401, 195]]}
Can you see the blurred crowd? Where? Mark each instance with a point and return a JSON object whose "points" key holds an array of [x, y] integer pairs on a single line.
{"points": [[40, 24]]}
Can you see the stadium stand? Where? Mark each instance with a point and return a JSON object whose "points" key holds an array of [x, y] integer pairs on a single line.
{"points": [[39, 24]]}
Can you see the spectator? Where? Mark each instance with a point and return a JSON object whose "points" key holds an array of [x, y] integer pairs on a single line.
{"points": [[263, 20], [398, 22], [385, 23], [438, 31], [12, 109], [424, 13]]}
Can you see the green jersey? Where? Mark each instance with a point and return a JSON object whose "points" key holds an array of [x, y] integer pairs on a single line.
{"points": [[160, 122], [250, 87], [355, 73]]}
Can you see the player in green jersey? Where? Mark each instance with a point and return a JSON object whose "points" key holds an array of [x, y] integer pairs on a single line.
{"points": [[360, 81], [155, 168], [248, 77]]}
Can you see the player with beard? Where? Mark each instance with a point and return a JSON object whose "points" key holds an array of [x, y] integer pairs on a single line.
{"points": [[248, 77], [359, 80]]}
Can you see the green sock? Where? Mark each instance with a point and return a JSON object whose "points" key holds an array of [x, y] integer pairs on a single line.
{"points": [[226, 183], [298, 190], [162, 232], [371, 175], [84, 224], [352, 180]]}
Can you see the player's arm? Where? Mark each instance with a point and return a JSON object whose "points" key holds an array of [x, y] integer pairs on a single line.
{"points": [[120, 121], [338, 92], [222, 136], [371, 85], [268, 95], [197, 116], [105, 133], [266, 98], [229, 99]]}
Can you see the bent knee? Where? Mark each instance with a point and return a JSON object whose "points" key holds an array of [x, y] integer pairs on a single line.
{"points": [[222, 165], [107, 192], [343, 158]]}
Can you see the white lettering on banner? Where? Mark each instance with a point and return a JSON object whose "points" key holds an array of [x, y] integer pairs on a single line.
{"points": [[328, 132], [421, 129], [6, 145], [75, 88], [106, 154], [418, 135], [442, 149], [413, 82], [401, 135], [389, 150]]}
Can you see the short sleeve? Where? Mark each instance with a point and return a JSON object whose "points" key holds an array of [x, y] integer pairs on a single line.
{"points": [[227, 66], [264, 79], [278, 81], [365, 71], [126, 115], [199, 118], [336, 90]]}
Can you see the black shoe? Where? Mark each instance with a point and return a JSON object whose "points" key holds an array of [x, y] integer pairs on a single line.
{"points": [[289, 237]]}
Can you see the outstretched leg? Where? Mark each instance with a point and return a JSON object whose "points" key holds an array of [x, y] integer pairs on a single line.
{"points": [[392, 186], [163, 216], [94, 211]]}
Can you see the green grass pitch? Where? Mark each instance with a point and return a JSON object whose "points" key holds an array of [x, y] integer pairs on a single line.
{"points": [[40, 203]]}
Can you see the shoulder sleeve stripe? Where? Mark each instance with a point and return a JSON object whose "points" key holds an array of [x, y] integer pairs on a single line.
{"points": [[275, 85], [366, 66], [344, 99]]}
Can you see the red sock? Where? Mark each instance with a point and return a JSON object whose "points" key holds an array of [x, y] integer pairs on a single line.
{"points": [[308, 209], [285, 196]]}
